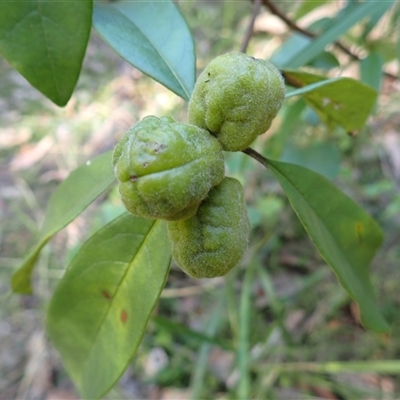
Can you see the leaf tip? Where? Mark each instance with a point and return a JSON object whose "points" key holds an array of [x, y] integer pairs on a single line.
{"points": [[20, 283]]}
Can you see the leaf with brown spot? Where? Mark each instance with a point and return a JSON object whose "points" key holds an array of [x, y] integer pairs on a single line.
{"points": [[345, 235], [101, 307], [106, 294], [337, 101]]}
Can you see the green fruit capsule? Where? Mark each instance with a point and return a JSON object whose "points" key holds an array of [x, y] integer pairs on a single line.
{"points": [[236, 98], [166, 168], [213, 241]]}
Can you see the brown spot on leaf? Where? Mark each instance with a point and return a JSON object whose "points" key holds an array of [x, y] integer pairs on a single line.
{"points": [[124, 316], [133, 178], [106, 294]]}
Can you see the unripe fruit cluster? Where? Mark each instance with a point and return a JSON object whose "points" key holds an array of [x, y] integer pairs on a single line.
{"points": [[175, 171]]}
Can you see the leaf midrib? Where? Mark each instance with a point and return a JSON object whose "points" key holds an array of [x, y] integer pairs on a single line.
{"points": [[324, 226], [115, 295]]}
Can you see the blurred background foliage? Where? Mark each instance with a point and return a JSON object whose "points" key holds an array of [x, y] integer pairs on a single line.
{"points": [[230, 338]]}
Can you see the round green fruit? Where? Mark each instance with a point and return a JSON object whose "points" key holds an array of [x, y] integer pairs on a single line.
{"points": [[213, 241], [166, 168], [236, 98]]}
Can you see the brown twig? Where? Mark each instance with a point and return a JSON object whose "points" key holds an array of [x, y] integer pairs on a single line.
{"points": [[292, 81], [257, 156], [249, 31], [292, 25]]}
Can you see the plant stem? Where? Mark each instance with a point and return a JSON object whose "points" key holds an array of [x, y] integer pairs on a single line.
{"points": [[257, 156], [383, 366], [249, 31]]}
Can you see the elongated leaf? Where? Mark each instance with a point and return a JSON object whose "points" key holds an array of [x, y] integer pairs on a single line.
{"points": [[190, 334], [80, 189], [282, 57], [291, 114], [243, 350], [325, 60], [345, 235], [100, 309], [398, 41], [371, 70], [307, 6], [374, 20], [342, 101], [153, 37], [45, 41], [391, 367], [292, 75], [322, 157], [342, 24], [198, 383]]}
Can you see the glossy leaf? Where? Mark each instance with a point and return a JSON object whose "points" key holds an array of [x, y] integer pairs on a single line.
{"points": [[100, 309], [337, 101], [80, 189], [45, 41], [152, 36], [342, 24], [345, 235]]}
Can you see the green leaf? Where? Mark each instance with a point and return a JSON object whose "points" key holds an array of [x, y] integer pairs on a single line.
{"points": [[190, 334], [152, 36], [294, 44], [345, 235], [243, 346], [45, 41], [307, 6], [342, 24], [324, 60], [80, 189], [100, 309], [342, 101], [390, 367], [198, 381], [398, 40], [371, 70], [290, 115], [374, 20], [321, 157]]}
